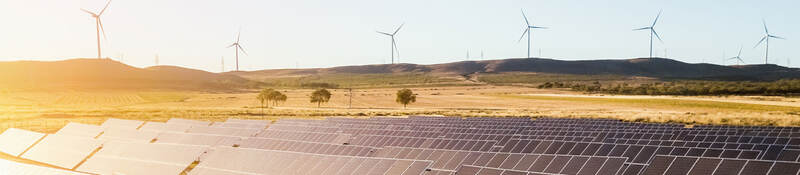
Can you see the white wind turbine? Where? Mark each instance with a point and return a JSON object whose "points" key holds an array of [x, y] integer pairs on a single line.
{"points": [[652, 33], [394, 44], [527, 31], [237, 47], [738, 57], [766, 37], [98, 25]]}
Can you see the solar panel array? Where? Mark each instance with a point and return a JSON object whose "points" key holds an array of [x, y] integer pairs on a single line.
{"points": [[413, 145]]}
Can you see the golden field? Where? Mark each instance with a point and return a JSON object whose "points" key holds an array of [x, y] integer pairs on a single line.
{"points": [[48, 111]]}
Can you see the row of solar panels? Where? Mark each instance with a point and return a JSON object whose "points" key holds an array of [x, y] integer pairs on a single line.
{"points": [[76, 148], [327, 126], [279, 140], [771, 146]]}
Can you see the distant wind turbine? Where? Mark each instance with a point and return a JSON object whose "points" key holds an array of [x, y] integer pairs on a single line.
{"points": [[738, 57], [766, 37], [481, 54], [394, 44], [156, 59], [527, 31], [468, 55], [223, 64], [652, 32], [238, 47], [98, 25]]}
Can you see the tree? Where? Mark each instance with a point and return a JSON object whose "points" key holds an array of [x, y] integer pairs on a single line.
{"points": [[264, 98], [320, 96], [277, 97], [405, 97]]}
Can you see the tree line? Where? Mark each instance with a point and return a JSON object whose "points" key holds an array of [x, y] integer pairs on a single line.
{"points": [[772, 88], [320, 96]]}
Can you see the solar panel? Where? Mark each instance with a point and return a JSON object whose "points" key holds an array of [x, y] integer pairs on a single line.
{"points": [[198, 139], [241, 132], [11, 167], [633, 169], [82, 130], [64, 151], [171, 127], [118, 165], [789, 155], [306, 147], [240, 125], [306, 136], [253, 161], [664, 164], [121, 123], [730, 166], [450, 160], [15, 141], [705, 166], [127, 134], [130, 157], [187, 121]]}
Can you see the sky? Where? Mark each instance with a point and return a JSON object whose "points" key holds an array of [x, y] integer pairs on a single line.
{"points": [[325, 33]]}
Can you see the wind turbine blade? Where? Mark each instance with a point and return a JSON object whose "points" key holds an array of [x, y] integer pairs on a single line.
{"points": [[241, 48], [643, 28], [777, 37], [91, 13], [239, 34], [398, 29], [655, 21], [231, 45], [656, 34], [384, 33], [740, 59], [537, 27], [764, 21], [104, 8], [740, 53], [524, 32], [760, 41], [101, 28], [526, 17]]}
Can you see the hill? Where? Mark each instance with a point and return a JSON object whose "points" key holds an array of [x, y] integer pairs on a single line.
{"points": [[660, 68], [109, 74]]}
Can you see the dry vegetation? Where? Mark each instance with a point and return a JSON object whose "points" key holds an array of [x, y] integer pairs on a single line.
{"points": [[46, 112]]}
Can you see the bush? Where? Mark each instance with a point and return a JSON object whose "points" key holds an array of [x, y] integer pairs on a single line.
{"points": [[774, 88]]}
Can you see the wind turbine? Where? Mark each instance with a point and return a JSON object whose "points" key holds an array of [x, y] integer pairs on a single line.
{"points": [[394, 44], [527, 31], [766, 37], [652, 32], [738, 57], [237, 47], [98, 25]]}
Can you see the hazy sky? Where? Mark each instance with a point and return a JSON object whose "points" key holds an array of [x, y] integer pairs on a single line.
{"points": [[326, 33]]}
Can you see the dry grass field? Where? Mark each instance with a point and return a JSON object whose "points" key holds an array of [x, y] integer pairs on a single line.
{"points": [[48, 111]]}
